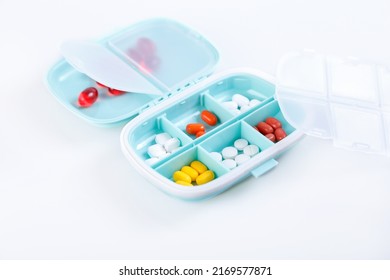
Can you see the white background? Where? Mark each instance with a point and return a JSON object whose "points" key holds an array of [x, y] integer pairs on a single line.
{"points": [[66, 190]]}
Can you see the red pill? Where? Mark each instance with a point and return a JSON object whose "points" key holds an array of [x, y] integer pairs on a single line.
{"points": [[200, 133], [101, 85], [208, 117], [280, 134], [115, 91], [265, 128], [275, 123], [88, 96], [194, 128], [271, 137]]}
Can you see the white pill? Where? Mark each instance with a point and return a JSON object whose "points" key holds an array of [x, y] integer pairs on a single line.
{"points": [[164, 155], [156, 150], [240, 159], [244, 108], [251, 150], [172, 144], [229, 163], [229, 152], [161, 138], [254, 102], [231, 105], [151, 161], [235, 112], [216, 156], [174, 150], [240, 144], [240, 100]]}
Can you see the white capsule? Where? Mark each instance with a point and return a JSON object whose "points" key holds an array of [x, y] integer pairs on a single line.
{"points": [[230, 105], [254, 102], [229, 163], [172, 144], [251, 150], [235, 112], [161, 138], [244, 108], [216, 156], [240, 99], [164, 155], [151, 161], [156, 150], [240, 159], [240, 144], [229, 152]]}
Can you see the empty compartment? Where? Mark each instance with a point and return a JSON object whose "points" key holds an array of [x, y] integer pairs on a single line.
{"points": [[384, 85], [184, 159], [144, 136]]}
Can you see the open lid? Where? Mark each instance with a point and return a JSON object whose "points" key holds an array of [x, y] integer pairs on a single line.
{"points": [[341, 99]]}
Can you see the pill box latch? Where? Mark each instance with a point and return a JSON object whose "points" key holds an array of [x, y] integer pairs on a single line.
{"points": [[264, 168]]}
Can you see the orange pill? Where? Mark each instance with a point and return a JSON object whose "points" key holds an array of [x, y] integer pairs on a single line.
{"points": [[200, 133], [194, 128], [271, 137], [280, 134], [208, 117], [275, 123], [265, 128]]}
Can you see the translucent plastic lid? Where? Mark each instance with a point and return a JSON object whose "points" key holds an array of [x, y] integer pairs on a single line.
{"points": [[341, 99]]}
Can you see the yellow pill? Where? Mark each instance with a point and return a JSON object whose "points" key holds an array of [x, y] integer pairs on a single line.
{"points": [[198, 166], [190, 171], [184, 183], [181, 176], [205, 177]]}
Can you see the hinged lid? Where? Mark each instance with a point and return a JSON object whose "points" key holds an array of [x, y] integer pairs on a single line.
{"points": [[341, 99]]}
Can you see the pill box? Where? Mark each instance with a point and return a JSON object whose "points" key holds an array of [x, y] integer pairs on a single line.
{"points": [[170, 82]]}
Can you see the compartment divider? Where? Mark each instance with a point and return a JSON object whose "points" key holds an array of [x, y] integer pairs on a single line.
{"points": [[254, 137], [167, 126], [210, 102], [212, 164]]}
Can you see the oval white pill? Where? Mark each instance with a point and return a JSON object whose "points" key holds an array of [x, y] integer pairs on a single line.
{"points": [[240, 99], [235, 112], [151, 161], [229, 163], [254, 102], [161, 138], [240, 159], [217, 156], [251, 150], [229, 152], [244, 108], [156, 150], [231, 105], [172, 144], [240, 144]]}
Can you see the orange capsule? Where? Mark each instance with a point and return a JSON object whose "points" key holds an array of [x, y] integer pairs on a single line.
{"points": [[271, 137], [200, 133], [280, 134], [275, 123], [194, 128], [265, 128], [209, 118]]}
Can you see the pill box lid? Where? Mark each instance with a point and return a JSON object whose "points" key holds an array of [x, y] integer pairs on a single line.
{"points": [[343, 99], [150, 60]]}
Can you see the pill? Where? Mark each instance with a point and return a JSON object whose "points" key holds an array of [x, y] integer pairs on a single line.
{"points": [[171, 144], [205, 177], [174, 150], [101, 85], [190, 171], [198, 166], [161, 138], [156, 150], [229, 163], [151, 161], [194, 128], [183, 183], [200, 133], [208, 117], [271, 137], [280, 134], [116, 91], [241, 158], [217, 156], [164, 155], [229, 152], [273, 122], [254, 102], [181, 176], [230, 105], [265, 128], [235, 112], [251, 150], [88, 96], [240, 100], [244, 108], [240, 144]]}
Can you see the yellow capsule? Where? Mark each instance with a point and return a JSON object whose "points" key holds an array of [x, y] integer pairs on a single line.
{"points": [[198, 166], [190, 171], [184, 183], [205, 177], [181, 176]]}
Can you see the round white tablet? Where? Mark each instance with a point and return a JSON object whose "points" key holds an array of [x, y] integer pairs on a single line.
{"points": [[240, 99], [231, 105], [151, 161], [229, 163], [254, 102], [244, 108], [251, 150], [216, 156], [240, 159], [156, 150], [229, 152], [240, 144], [172, 144], [161, 138]]}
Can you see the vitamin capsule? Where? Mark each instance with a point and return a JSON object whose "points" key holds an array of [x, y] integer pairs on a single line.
{"points": [[241, 158], [251, 150], [191, 172], [229, 163], [198, 166], [273, 122], [271, 137], [194, 128], [280, 134], [217, 156], [156, 150], [161, 138], [181, 176], [171, 144], [265, 128], [254, 102], [116, 91], [229, 152], [183, 183], [200, 133], [205, 177], [240, 99], [101, 85], [208, 117], [230, 105], [88, 96], [151, 161], [240, 144]]}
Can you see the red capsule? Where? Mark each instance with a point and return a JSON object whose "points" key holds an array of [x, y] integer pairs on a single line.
{"points": [[101, 85], [265, 128], [208, 117], [275, 123], [88, 96], [280, 134], [115, 91], [271, 137], [194, 128], [200, 133]]}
